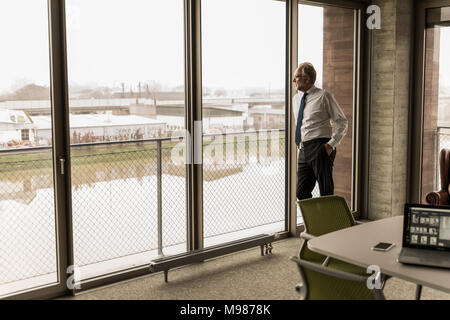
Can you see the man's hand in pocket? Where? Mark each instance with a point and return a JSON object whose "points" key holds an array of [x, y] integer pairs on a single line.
{"points": [[328, 148]]}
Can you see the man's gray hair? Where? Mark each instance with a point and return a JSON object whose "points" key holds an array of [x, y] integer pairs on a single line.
{"points": [[308, 69]]}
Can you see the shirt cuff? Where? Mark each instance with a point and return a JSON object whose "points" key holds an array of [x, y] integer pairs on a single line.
{"points": [[332, 143]]}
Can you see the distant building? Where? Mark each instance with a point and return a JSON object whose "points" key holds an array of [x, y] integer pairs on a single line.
{"points": [[19, 129], [15, 128], [265, 117], [28, 123], [102, 127]]}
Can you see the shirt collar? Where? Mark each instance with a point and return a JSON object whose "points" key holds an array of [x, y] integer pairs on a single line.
{"points": [[311, 89]]}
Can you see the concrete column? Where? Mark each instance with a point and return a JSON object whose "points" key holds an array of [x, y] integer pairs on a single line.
{"points": [[390, 109]]}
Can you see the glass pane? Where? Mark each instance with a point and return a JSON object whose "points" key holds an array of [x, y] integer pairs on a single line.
{"points": [[27, 208], [326, 39], [243, 118], [126, 77], [436, 122]]}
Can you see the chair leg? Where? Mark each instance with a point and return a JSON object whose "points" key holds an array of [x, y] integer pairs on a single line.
{"points": [[418, 291], [302, 290], [384, 279]]}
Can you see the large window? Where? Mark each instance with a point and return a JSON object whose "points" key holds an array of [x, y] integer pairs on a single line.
{"points": [[243, 43], [27, 202], [126, 78], [326, 38], [126, 196], [436, 108]]}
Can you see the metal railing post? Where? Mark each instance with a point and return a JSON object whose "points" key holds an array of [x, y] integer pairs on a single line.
{"points": [[247, 148], [159, 182], [269, 144], [235, 146], [436, 137], [224, 148], [257, 145]]}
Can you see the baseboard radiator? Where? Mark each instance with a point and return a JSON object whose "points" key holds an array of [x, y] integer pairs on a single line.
{"points": [[166, 263]]}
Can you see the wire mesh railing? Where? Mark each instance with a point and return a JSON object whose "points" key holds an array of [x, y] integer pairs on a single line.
{"points": [[128, 198], [27, 218], [247, 189], [123, 196], [442, 141]]}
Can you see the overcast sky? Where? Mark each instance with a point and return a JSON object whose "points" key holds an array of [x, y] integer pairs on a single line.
{"points": [[310, 38], [24, 42], [115, 41], [444, 61]]}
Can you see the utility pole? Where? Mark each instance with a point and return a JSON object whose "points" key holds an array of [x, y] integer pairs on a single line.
{"points": [[147, 91], [139, 94]]}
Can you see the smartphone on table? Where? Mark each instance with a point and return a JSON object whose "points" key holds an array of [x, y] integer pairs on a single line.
{"points": [[383, 246]]}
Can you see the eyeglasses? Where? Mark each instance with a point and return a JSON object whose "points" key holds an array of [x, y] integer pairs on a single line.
{"points": [[299, 77]]}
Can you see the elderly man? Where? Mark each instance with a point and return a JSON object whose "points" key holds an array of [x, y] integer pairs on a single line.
{"points": [[314, 108]]}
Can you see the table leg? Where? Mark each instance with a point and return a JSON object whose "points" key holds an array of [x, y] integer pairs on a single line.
{"points": [[418, 291]]}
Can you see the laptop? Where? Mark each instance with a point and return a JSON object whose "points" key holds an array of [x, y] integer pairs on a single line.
{"points": [[426, 236]]}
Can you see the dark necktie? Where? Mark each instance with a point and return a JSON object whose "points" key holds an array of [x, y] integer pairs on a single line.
{"points": [[298, 130]]}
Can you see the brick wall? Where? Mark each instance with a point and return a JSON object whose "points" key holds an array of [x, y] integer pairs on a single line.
{"points": [[338, 57]]}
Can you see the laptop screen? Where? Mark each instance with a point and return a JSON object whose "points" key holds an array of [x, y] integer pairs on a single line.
{"points": [[426, 227]]}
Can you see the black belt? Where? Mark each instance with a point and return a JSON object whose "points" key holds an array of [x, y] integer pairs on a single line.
{"points": [[317, 140]]}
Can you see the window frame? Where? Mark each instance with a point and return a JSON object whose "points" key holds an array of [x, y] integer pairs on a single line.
{"points": [[416, 125], [361, 102], [193, 112], [58, 97]]}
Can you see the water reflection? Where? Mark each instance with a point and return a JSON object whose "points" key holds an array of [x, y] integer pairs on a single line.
{"points": [[114, 205]]}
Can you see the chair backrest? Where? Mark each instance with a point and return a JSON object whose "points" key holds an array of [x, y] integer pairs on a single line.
{"points": [[444, 166], [332, 283], [321, 216], [325, 214]]}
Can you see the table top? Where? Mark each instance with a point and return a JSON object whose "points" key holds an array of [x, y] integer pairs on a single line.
{"points": [[354, 245]]}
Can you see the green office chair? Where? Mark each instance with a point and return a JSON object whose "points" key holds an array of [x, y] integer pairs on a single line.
{"points": [[325, 278]]}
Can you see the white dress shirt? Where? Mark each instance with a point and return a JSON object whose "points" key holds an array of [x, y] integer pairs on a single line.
{"points": [[320, 108]]}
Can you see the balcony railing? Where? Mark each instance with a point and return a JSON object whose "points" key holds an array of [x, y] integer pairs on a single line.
{"points": [[128, 197]]}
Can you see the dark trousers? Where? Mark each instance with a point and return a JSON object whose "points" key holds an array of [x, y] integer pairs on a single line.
{"points": [[314, 164]]}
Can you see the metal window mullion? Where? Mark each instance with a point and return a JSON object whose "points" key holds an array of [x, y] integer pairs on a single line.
{"points": [[193, 116], [291, 156], [61, 142], [357, 126], [361, 130], [416, 120], [411, 102], [60, 150], [366, 102]]}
